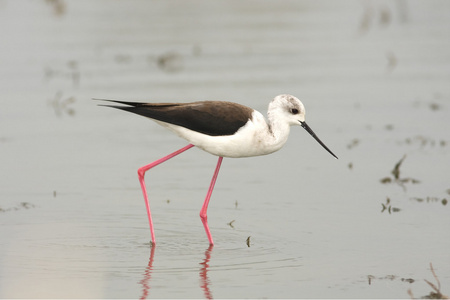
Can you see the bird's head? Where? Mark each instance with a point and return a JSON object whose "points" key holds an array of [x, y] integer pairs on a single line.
{"points": [[292, 111], [289, 108]]}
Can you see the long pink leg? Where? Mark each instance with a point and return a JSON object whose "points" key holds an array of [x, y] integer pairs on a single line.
{"points": [[141, 174], [203, 211]]}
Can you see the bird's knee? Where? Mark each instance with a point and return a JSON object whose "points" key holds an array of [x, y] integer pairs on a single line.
{"points": [[141, 173], [203, 216]]}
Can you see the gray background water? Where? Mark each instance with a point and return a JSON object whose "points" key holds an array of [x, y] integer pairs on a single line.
{"points": [[374, 77]]}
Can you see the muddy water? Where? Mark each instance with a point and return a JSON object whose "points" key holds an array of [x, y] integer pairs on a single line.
{"points": [[372, 75]]}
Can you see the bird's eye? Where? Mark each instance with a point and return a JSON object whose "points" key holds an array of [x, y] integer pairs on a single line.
{"points": [[294, 111]]}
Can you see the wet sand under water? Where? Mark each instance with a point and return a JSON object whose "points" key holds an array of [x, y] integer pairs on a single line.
{"points": [[372, 75]]}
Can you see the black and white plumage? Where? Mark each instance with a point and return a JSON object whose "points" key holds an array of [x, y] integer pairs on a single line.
{"points": [[227, 129]]}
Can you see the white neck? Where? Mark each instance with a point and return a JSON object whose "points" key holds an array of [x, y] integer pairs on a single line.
{"points": [[278, 132]]}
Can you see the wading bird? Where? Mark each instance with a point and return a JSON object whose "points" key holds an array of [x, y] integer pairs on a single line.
{"points": [[224, 129]]}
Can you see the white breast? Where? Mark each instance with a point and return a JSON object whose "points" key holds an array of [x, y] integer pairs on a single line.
{"points": [[253, 139]]}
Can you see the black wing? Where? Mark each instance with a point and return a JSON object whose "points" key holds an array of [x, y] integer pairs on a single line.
{"points": [[213, 118]]}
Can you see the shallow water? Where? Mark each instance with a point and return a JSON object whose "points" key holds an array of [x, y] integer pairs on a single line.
{"points": [[372, 75]]}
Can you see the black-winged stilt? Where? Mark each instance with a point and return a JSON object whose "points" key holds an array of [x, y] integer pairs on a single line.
{"points": [[224, 129]]}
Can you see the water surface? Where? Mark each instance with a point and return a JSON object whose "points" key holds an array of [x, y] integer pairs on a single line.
{"points": [[372, 75]]}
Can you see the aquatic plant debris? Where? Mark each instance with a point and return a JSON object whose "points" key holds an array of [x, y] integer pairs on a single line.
{"points": [[170, 62], [353, 143], [429, 199], [396, 170], [248, 242], [389, 207], [22, 205], [437, 289], [423, 141], [62, 106], [371, 278], [231, 223], [396, 175]]}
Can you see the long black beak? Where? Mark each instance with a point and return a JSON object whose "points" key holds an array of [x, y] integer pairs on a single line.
{"points": [[307, 128]]}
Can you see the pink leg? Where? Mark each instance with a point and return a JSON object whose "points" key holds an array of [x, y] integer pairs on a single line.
{"points": [[203, 211], [141, 174]]}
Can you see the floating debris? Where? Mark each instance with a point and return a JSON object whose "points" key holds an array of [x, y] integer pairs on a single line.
{"points": [[424, 141], [248, 242], [22, 205], [59, 7], [435, 106], [429, 199], [396, 175], [406, 180], [389, 127], [170, 62], [26, 205], [381, 15], [353, 143], [62, 106], [387, 277], [231, 223], [371, 278], [350, 166], [74, 72], [437, 294], [385, 16], [387, 206], [386, 180], [71, 72], [396, 170], [366, 20]]}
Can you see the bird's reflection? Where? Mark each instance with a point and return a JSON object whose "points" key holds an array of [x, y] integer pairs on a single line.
{"points": [[145, 282], [204, 280]]}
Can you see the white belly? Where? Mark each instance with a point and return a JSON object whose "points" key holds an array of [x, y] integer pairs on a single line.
{"points": [[253, 139]]}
